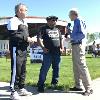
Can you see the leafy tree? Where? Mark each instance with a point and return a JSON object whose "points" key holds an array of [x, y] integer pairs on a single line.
{"points": [[90, 37]]}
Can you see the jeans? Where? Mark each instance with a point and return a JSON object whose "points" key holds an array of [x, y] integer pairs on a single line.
{"points": [[49, 59]]}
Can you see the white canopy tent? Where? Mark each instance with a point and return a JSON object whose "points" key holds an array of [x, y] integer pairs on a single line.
{"points": [[96, 42]]}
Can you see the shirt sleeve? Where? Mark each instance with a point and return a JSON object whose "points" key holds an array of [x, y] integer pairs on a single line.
{"points": [[12, 25], [60, 36], [76, 26], [13, 29]]}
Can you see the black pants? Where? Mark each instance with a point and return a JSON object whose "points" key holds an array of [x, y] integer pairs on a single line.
{"points": [[18, 68]]}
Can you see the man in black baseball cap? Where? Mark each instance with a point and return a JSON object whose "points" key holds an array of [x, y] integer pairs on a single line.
{"points": [[51, 45], [52, 17], [51, 21]]}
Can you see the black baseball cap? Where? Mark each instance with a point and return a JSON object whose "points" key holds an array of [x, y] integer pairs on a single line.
{"points": [[52, 18]]}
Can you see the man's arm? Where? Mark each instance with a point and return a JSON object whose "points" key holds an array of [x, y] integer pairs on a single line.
{"points": [[23, 29], [61, 42], [16, 34], [20, 35], [13, 29], [39, 38], [40, 42]]}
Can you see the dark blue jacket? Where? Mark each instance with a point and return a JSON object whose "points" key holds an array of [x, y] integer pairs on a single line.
{"points": [[79, 31]]}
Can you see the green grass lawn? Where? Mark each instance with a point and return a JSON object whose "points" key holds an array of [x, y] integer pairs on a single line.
{"points": [[66, 73]]}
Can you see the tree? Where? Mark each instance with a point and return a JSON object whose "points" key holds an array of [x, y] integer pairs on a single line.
{"points": [[99, 35], [91, 37]]}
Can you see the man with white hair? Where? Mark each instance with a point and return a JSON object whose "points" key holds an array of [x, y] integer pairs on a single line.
{"points": [[19, 40], [78, 41]]}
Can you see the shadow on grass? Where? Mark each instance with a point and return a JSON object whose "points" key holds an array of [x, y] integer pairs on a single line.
{"points": [[89, 57], [48, 89], [4, 96], [59, 88], [1, 98], [33, 89], [5, 88]]}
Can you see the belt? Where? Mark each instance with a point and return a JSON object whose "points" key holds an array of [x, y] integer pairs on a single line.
{"points": [[76, 43]]}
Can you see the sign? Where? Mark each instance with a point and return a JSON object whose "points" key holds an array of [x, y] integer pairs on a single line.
{"points": [[36, 54]]}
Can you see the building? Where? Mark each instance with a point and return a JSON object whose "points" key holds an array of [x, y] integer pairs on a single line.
{"points": [[33, 23]]}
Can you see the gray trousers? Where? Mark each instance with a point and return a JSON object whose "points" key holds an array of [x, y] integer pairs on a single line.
{"points": [[81, 73]]}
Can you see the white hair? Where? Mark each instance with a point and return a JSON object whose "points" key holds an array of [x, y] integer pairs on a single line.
{"points": [[74, 10], [18, 6]]}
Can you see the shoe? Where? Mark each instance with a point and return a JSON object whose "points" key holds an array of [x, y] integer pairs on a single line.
{"points": [[24, 92], [14, 96], [40, 89], [88, 92], [76, 89]]}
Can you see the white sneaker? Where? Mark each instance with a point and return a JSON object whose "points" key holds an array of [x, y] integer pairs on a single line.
{"points": [[14, 96], [24, 92]]}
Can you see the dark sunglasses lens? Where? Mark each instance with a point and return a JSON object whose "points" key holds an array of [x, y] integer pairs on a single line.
{"points": [[54, 20]]}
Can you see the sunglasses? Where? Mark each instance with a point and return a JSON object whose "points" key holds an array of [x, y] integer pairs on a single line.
{"points": [[54, 20]]}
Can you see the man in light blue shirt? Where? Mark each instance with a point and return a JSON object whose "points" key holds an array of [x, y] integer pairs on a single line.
{"points": [[78, 41]]}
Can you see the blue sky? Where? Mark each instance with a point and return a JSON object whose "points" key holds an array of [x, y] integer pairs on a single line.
{"points": [[89, 9]]}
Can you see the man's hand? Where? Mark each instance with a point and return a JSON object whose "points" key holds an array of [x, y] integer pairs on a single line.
{"points": [[30, 40], [45, 50], [62, 50]]}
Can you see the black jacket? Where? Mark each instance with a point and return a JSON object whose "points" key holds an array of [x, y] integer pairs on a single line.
{"points": [[18, 38]]}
